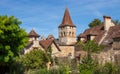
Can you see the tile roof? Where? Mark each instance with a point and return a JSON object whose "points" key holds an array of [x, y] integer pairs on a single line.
{"points": [[33, 34], [67, 21], [114, 32], [95, 31], [46, 43]]}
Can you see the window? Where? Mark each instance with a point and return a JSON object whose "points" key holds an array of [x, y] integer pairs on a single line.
{"points": [[64, 34], [69, 33], [72, 33]]}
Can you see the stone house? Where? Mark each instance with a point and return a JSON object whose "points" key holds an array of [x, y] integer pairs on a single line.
{"points": [[107, 34], [34, 43], [61, 47]]}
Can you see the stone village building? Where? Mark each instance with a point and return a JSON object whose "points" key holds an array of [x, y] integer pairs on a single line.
{"points": [[107, 34], [62, 47]]}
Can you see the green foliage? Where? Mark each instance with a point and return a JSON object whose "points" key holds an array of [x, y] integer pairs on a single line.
{"points": [[108, 68], [12, 40], [92, 46], [49, 53], [16, 68], [87, 66], [60, 70], [36, 59], [95, 22]]}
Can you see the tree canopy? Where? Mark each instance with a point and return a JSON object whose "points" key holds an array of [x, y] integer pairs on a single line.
{"points": [[35, 59], [12, 39], [95, 22]]}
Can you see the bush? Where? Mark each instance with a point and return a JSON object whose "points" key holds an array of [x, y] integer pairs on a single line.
{"points": [[87, 65], [35, 59], [60, 70], [108, 68]]}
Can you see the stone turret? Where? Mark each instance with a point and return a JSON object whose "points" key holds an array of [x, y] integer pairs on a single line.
{"points": [[67, 30], [34, 37]]}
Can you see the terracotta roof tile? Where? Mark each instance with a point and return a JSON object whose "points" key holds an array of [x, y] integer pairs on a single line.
{"points": [[67, 21], [33, 34], [46, 43]]}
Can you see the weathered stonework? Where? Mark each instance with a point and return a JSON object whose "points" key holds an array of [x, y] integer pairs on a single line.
{"points": [[35, 45], [55, 51], [67, 51]]}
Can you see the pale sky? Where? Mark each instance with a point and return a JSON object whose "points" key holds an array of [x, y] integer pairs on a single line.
{"points": [[46, 15]]}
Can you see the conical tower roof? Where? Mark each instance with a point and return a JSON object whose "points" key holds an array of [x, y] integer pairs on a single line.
{"points": [[33, 34], [67, 21]]}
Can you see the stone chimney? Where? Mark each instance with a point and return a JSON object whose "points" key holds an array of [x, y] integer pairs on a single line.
{"points": [[108, 22]]}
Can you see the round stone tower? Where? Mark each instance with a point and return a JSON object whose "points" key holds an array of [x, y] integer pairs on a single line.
{"points": [[67, 30]]}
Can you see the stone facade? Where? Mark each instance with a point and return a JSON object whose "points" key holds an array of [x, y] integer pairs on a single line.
{"points": [[55, 51], [67, 35], [106, 34], [65, 47], [67, 51]]}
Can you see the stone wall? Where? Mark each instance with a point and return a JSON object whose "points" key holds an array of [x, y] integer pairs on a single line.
{"points": [[102, 57], [35, 45], [55, 51], [66, 51], [67, 35]]}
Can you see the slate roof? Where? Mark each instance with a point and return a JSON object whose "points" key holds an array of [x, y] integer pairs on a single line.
{"points": [[67, 21]]}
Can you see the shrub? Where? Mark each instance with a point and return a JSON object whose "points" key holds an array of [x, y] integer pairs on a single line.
{"points": [[60, 70], [35, 59], [87, 65], [107, 68]]}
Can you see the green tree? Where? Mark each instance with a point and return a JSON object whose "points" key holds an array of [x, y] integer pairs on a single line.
{"points": [[90, 46], [12, 40], [95, 22], [35, 59], [88, 64]]}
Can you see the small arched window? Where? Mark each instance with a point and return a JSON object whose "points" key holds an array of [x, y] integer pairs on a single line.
{"points": [[64, 34], [72, 33], [69, 33]]}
